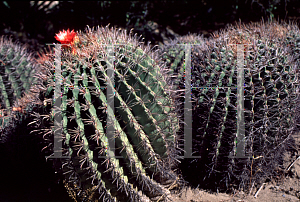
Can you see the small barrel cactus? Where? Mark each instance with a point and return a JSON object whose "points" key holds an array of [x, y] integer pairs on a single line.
{"points": [[140, 112], [18, 85], [270, 101]]}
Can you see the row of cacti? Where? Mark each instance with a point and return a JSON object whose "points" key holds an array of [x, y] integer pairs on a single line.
{"points": [[143, 126], [139, 110]]}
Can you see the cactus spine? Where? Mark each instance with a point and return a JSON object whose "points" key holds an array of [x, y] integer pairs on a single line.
{"points": [[145, 123], [270, 102], [18, 85]]}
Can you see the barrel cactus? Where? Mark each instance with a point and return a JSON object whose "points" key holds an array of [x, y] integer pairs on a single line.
{"points": [[140, 113], [18, 86], [269, 100]]}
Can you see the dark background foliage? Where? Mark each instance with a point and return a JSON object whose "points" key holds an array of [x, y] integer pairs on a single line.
{"points": [[34, 23]]}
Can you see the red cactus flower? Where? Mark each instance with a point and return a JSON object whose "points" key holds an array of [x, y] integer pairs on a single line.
{"points": [[65, 37]]}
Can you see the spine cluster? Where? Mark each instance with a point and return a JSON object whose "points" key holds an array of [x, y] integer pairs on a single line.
{"points": [[119, 113], [139, 113], [270, 95], [18, 85]]}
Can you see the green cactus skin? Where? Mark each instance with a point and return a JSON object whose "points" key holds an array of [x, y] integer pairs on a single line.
{"points": [[18, 85], [146, 122], [271, 93], [20, 151]]}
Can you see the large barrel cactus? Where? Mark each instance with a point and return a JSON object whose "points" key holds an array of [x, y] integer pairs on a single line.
{"points": [[268, 97], [114, 93], [18, 86]]}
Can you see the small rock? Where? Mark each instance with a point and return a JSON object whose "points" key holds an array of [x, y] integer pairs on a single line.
{"points": [[297, 194]]}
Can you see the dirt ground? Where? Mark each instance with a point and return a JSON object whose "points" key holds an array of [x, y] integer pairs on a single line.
{"points": [[285, 189]]}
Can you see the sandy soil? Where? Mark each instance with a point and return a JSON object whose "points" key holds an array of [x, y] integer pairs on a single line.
{"points": [[281, 190]]}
